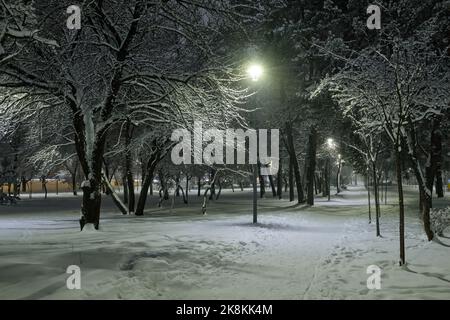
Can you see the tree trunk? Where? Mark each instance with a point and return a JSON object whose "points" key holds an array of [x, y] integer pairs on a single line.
{"points": [[24, 184], [177, 183], [426, 216], [208, 189], [187, 188], [125, 188], [262, 182], [143, 195], [425, 184], [316, 184], [368, 195], [116, 199], [272, 186], [205, 200], [213, 183], [130, 188], [164, 187], [401, 206], [90, 208], [152, 162], [421, 198], [255, 194], [128, 165], [439, 185], [298, 180], [436, 157], [377, 201], [177, 190], [16, 189], [291, 179], [280, 181], [44, 186], [380, 186], [219, 183], [319, 181], [310, 174], [199, 186], [305, 173], [106, 170], [143, 171], [74, 181], [92, 170]]}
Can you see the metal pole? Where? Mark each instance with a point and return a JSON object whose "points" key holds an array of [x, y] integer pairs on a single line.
{"points": [[338, 178], [329, 179], [255, 194]]}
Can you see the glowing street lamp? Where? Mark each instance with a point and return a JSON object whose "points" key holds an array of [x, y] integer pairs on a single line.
{"points": [[330, 143], [255, 72]]}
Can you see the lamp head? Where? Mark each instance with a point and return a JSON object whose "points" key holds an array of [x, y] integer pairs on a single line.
{"points": [[255, 72]]}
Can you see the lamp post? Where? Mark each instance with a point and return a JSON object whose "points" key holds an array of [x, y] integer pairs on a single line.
{"points": [[255, 72], [331, 146], [338, 175]]}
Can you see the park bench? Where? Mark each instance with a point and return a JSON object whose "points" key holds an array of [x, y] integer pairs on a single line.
{"points": [[6, 199]]}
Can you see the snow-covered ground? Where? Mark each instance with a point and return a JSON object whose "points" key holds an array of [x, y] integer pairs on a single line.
{"points": [[294, 252]]}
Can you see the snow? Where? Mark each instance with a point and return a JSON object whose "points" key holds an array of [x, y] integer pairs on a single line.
{"points": [[88, 228], [440, 219], [85, 184], [31, 34], [294, 252]]}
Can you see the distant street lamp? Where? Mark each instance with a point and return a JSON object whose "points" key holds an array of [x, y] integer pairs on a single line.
{"points": [[338, 176], [255, 72], [331, 144]]}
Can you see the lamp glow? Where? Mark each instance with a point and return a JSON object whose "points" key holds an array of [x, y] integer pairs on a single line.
{"points": [[330, 143], [255, 72]]}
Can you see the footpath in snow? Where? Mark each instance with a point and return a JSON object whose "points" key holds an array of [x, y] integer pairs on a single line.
{"points": [[294, 252]]}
